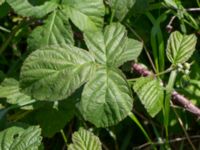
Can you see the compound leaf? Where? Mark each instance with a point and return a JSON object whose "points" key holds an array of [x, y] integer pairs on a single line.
{"points": [[56, 31], [55, 73], [150, 93], [106, 98], [29, 8], [85, 140], [17, 138], [180, 47]]}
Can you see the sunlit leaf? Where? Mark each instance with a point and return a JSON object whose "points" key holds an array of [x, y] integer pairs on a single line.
{"points": [[106, 98], [113, 47], [84, 140], [17, 138], [180, 47], [55, 73], [11, 91], [29, 8], [85, 14], [56, 31], [150, 93]]}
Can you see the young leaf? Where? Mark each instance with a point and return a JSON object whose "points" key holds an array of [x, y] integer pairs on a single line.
{"points": [[17, 138], [85, 140], [106, 98], [121, 7], [32, 9], [112, 47], [150, 93], [180, 47], [55, 73], [10, 90], [85, 14], [56, 31]]}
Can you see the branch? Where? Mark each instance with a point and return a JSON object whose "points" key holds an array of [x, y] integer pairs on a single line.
{"points": [[177, 98]]}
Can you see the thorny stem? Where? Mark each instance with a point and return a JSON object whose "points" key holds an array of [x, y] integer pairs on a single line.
{"points": [[176, 98]]}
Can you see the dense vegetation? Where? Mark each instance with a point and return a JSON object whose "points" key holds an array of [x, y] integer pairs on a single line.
{"points": [[99, 74]]}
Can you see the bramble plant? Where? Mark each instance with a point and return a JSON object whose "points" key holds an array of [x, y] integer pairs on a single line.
{"points": [[69, 71]]}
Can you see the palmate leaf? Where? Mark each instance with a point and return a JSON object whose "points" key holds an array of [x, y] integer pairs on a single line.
{"points": [[180, 47], [150, 93], [11, 91], [106, 98], [55, 73], [29, 8], [112, 47], [85, 14], [85, 140], [55, 31], [121, 7], [17, 138]]}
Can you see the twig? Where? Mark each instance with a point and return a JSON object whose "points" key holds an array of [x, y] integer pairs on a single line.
{"points": [[169, 27], [193, 9], [182, 101], [164, 141], [177, 98]]}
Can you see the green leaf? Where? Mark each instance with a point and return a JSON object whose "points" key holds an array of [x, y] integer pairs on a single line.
{"points": [[112, 47], [55, 73], [121, 7], [106, 98], [17, 138], [85, 140], [131, 52], [180, 47], [10, 90], [56, 31], [29, 8], [150, 93], [85, 14]]}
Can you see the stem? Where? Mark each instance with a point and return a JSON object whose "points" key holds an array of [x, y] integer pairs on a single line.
{"points": [[166, 71], [136, 121], [169, 89], [64, 137]]}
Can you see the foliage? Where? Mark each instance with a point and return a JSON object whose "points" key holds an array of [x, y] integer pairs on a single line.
{"points": [[66, 66]]}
